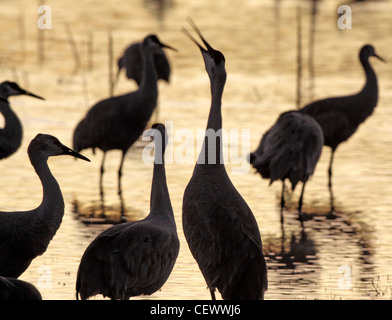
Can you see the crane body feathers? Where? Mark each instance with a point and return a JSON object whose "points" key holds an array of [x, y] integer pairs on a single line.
{"points": [[223, 238], [290, 149], [134, 258]]}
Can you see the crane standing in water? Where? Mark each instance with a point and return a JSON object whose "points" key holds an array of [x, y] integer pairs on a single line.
{"points": [[340, 117], [117, 122], [220, 228], [290, 149]]}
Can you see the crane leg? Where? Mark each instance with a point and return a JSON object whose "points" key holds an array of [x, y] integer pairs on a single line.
{"points": [[282, 203], [212, 291], [300, 217], [101, 174], [330, 180], [120, 173]]}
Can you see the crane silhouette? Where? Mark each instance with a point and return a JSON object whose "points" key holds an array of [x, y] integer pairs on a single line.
{"points": [[117, 122], [24, 235], [220, 228], [137, 257], [15, 289], [12, 132], [340, 117], [132, 62], [290, 149]]}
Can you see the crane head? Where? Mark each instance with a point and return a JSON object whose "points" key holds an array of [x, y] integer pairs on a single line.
{"points": [[153, 41], [368, 51], [157, 131], [47, 145], [9, 88], [214, 60]]}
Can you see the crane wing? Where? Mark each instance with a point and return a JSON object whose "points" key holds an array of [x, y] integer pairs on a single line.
{"points": [[127, 259]]}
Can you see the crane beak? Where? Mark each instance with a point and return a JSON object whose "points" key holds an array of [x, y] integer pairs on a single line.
{"points": [[164, 45], [378, 57], [70, 152], [186, 32], [194, 26], [27, 93]]}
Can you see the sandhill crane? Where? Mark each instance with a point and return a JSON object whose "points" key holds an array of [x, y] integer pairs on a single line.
{"points": [[220, 228], [12, 132], [117, 122], [25, 235], [137, 257], [340, 117], [290, 149]]}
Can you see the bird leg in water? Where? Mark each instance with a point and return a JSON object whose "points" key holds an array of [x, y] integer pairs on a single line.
{"points": [[101, 174], [330, 181], [120, 173], [123, 218], [300, 216], [282, 203]]}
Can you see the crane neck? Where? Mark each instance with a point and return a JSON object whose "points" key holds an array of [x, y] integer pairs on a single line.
{"points": [[51, 209], [366, 99], [211, 152], [150, 76], [160, 198], [12, 130], [147, 94], [371, 85], [11, 120], [215, 116]]}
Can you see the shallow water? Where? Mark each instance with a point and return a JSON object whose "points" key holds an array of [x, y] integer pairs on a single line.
{"points": [[348, 257]]}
